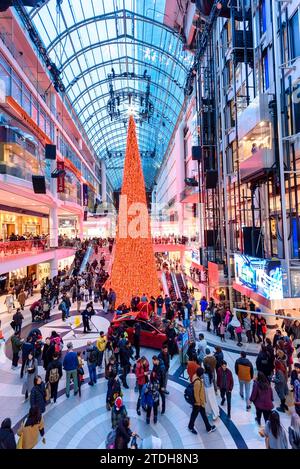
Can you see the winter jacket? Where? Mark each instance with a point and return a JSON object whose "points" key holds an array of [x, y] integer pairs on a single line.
{"points": [[264, 363], [70, 361], [219, 358], [280, 384], [31, 434], [165, 357], [262, 398], [18, 318], [101, 343], [92, 355], [37, 397], [52, 365], [16, 344], [123, 437], [140, 372], [117, 415], [160, 371], [7, 439], [199, 391], [229, 379], [27, 347], [244, 369], [211, 361]]}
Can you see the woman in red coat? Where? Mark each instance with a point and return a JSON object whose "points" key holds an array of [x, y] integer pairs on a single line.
{"points": [[142, 374]]}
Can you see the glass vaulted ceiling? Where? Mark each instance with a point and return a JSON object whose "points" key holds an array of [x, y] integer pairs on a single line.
{"points": [[86, 39]]}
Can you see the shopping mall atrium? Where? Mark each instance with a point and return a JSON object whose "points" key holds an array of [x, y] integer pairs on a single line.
{"points": [[150, 224]]}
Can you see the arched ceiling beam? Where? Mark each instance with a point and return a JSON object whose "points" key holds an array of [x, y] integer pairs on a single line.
{"points": [[111, 16], [118, 60]]}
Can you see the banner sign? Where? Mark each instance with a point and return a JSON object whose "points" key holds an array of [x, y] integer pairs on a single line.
{"points": [[263, 276], [61, 178], [85, 194]]}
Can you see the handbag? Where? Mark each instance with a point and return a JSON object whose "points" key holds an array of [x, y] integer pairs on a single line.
{"points": [[47, 392], [20, 440]]}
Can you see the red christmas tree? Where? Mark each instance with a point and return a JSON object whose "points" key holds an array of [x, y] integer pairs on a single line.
{"points": [[134, 268]]}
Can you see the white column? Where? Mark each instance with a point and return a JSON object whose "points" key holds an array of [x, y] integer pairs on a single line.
{"points": [[80, 226], [53, 227], [53, 267]]}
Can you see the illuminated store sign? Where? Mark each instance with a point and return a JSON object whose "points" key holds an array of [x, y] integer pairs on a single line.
{"points": [[263, 276]]}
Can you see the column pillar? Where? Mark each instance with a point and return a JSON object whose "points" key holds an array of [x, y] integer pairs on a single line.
{"points": [[53, 267], [80, 226], [179, 165], [53, 227]]}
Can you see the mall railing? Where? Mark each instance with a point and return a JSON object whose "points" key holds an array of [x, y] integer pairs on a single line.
{"points": [[13, 248]]}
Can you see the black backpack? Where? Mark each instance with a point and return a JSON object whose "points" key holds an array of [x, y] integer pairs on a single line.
{"points": [[189, 393], [93, 356]]}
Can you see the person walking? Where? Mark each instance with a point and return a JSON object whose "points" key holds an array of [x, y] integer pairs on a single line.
{"points": [[38, 394], [160, 374], [18, 319], [294, 431], [22, 299], [159, 304], [262, 397], [202, 346], [203, 307], [33, 427], [70, 365], [27, 347], [211, 406], [126, 353], [101, 345], [16, 344], [118, 412], [192, 366], [244, 371], [9, 302], [199, 403], [274, 433], [7, 437], [151, 391], [142, 376], [30, 372], [164, 356], [225, 384], [211, 361], [280, 380], [80, 371], [53, 375], [92, 361]]}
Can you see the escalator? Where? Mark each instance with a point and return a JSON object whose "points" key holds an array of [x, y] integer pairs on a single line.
{"points": [[171, 286], [182, 286]]}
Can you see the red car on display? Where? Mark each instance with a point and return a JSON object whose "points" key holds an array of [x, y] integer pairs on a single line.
{"points": [[152, 332]]}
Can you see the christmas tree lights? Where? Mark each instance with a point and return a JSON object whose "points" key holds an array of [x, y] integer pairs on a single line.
{"points": [[134, 268]]}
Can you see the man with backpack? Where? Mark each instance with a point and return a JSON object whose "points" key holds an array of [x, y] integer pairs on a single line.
{"points": [[195, 395], [63, 308], [92, 360], [53, 375]]}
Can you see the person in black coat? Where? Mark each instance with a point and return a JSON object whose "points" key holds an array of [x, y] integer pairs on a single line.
{"points": [[86, 316], [123, 434], [47, 354], [56, 365], [165, 358], [160, 374], [125, 354], [37, 395], [7, 437], [264, 362], [172, 345]]}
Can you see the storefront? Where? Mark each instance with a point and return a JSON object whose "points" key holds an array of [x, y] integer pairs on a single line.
{"points": [[43, 271], [65, 263], [22, 225], [68, 227]]}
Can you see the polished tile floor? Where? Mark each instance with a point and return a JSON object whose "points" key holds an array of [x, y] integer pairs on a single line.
{"points": [[84, 422]]}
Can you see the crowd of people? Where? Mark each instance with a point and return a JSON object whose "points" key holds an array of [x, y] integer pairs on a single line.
{"points": [[211, 381], [209, 375]]}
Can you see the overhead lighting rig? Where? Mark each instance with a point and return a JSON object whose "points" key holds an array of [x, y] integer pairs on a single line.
{"points": [[121, 154], [129, 101]]}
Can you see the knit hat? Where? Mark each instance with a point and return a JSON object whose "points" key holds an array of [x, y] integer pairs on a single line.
{"points": [[118, 403]]}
